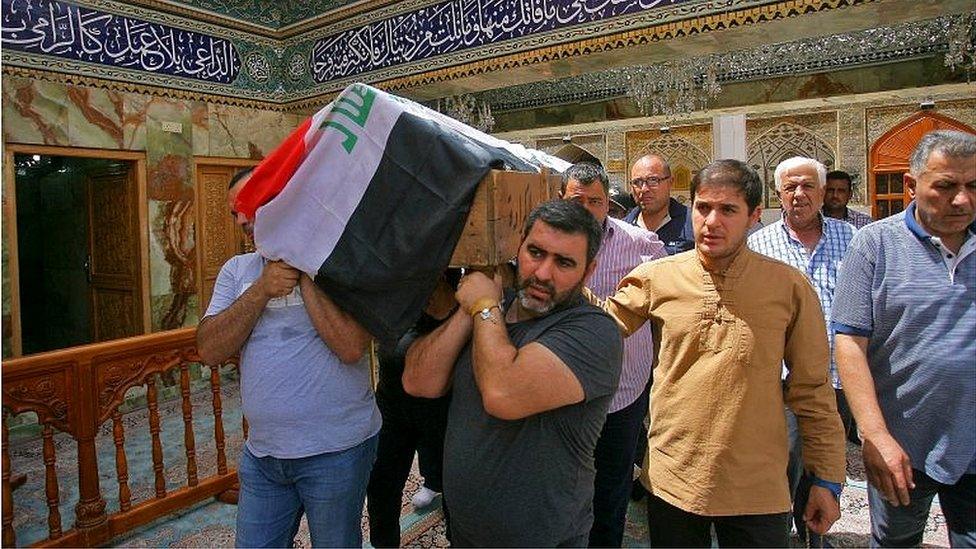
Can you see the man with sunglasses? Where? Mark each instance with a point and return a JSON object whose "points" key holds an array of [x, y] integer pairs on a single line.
{"points": [[650, 184]]}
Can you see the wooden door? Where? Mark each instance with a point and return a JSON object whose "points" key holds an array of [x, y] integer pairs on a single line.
{"points": [[218, 237], [113, 247], [889, 160]]}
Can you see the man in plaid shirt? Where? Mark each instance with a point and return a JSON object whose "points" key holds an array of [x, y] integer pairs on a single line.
{"points": [[838, 194], [815, 245]]}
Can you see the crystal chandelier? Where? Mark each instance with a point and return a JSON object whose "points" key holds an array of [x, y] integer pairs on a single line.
{"points": [[468, 110], [961, 35], [674, 88]]}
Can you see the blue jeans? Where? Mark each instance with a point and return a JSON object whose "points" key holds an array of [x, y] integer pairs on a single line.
{"points": [[902, 526], [329, 488]]}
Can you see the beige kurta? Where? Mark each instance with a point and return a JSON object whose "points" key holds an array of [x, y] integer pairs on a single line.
{"points": [[718, 443]]}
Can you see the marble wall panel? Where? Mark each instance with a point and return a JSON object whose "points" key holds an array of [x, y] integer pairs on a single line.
{"points": [[134, 107], [200, 116], [170, 193], [248, 133], [34, 112], [95, 118]]}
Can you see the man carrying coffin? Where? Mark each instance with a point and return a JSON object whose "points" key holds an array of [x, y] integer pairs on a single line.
{"points": [[306, 394], [533, 372]]}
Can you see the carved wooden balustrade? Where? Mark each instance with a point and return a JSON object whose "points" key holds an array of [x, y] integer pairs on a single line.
{"points": [[75, 391]]}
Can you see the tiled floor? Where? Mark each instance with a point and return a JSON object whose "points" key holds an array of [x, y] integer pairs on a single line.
{"points": [[211, 524]]}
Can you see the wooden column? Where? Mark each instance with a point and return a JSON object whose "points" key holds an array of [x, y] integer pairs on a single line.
{"points": [[91, 521]]}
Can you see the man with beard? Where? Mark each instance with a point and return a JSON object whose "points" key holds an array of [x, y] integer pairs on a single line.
{"points": [[532, 373], [837, 194]]}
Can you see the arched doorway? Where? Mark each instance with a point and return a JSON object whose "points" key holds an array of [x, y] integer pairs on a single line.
{"points": [[888, 160]]}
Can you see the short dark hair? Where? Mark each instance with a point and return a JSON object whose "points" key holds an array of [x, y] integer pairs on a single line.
{"points": [[568, 217], [585, 173], [839, 174], [238, 176], [734, 173]]}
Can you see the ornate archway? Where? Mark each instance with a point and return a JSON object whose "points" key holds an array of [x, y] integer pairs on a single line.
{"points": [[888, 160], [779, 143]]}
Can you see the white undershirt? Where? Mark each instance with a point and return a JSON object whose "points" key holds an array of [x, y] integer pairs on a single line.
{"points": [[665, 221]]}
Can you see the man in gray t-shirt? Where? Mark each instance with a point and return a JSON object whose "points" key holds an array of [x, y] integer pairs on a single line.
{"points": [[532, 381], [306, 394]]}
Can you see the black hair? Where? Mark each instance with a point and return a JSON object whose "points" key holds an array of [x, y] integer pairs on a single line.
{"points": [[238, 176], [839, 174], [734, 173], [571, 218], [585, 173]]}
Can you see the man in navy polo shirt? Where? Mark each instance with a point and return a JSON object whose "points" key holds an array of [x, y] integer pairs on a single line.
{"points": [[656, 211], [905, 317]]}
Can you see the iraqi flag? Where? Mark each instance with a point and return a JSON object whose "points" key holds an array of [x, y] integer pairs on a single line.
{"points": [[369, 196]]}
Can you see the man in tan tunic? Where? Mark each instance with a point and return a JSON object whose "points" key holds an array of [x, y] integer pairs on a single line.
{"points": [[725, 319]]}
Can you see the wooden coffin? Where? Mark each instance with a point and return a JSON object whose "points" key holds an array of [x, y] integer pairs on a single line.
{"points": [[503, 200]]}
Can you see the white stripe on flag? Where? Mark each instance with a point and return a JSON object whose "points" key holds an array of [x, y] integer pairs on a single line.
{"points": [[305, 221]]}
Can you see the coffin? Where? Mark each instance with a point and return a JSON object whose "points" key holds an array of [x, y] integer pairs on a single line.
{"points": [[493, 230]]}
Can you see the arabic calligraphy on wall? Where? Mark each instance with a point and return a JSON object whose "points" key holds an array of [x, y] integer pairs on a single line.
{"points": [[455, 25], [72, 32]]}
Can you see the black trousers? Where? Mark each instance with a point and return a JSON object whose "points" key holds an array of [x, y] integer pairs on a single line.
{"points": [[410, 425], [614, 461], [670, 526]]}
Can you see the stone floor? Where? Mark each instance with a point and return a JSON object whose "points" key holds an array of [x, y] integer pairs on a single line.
{"points": [[211, 524]]}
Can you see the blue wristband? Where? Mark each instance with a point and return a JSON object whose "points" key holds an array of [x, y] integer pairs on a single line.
{"points": [[834, 487]]}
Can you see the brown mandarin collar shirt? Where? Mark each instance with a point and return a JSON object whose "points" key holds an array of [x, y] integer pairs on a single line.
{"points": [[718, 442]]}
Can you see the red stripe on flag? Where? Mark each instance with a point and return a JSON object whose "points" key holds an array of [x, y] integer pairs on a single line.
{"points": [[273, 173]]}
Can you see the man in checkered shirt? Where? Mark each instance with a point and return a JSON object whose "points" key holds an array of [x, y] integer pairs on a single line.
{"points": [[838, 194], [814, 244]]}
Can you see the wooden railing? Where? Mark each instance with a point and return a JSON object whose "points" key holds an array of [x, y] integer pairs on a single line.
{"points": [[75, 391]]}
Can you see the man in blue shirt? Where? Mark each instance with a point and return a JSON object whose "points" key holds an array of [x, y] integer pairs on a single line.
{"points": [[306, 394], [815, 245], [656, 211], [905, 316]]}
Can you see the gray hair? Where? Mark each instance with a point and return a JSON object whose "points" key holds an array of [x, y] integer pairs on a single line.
{"points": [[799, 162], [950, 143]]}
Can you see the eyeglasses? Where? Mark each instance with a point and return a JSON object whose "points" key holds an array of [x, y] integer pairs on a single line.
{"points": [[651, 182]]}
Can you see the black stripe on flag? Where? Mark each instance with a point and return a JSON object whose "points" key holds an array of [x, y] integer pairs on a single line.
{"points": [[403, 232]]}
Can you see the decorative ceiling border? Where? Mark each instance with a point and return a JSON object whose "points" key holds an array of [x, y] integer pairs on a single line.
{"points": [[896, 43], [274, 97], [361, 9], [125, 80], [466, 64], [280, 33], [198, 14], [192, 20]]}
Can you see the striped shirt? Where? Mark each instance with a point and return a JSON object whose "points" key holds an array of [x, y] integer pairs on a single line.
{"points": [[624, 247], [857, 218], [916, 306], [820, 267]]}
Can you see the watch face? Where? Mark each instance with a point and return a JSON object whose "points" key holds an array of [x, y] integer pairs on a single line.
{"points": [[486, 313]]}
